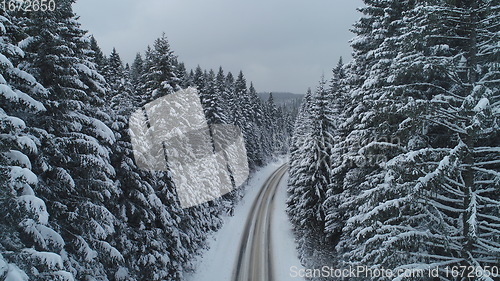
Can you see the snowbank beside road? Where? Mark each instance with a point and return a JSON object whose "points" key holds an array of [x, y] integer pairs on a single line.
{"points": [[217, 264]]}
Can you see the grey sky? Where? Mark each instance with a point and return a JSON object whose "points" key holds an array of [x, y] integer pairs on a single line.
{"points": [[281, 45]]}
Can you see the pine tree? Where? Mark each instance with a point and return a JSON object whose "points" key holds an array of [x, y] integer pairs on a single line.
{"points": [[76, 178], [29, 246], [137, 69], [182, 75], [272, 144], [461, 107], [229, 96], [199, 78], [221, 90], [414, 158], [335, 216], [99, 58], [159, 71], [113, 70], [212, 101], [405, 217], [311, 176], [109, 220]]}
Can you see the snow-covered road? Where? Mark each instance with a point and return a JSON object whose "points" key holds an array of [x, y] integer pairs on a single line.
{"points": [[257, 243], [255, 258]]}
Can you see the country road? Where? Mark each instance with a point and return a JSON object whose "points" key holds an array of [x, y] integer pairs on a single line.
{"points": [[257, 242], [255, 258]]}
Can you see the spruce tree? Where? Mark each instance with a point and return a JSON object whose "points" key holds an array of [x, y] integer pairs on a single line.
{"points": [[311, 177], [29, 245], [432, 107], [159, 73], [99, 57], [137, 69], [212, 101], [76, 178]]}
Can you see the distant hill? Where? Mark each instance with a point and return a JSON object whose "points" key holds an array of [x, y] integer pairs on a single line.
{"points": [[281, 98]]}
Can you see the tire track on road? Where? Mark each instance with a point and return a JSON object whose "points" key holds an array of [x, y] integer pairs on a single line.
{"points": [[254, 262]]}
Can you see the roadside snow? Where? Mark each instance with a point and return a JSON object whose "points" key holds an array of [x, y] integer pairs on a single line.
{"points": [[218, 262], [285, 253]]}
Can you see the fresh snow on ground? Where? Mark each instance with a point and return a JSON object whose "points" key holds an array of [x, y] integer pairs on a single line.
{"points": [[285, 253], [218, 262]]}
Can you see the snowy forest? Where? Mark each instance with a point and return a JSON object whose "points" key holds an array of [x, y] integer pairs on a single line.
{"points": [[73, 203], [395, 160]]}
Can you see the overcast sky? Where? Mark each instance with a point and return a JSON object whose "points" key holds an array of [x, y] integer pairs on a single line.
{"points": [[281, 45]]}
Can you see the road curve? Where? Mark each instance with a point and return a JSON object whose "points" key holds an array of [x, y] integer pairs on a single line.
{"points": [[254, 260]]}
